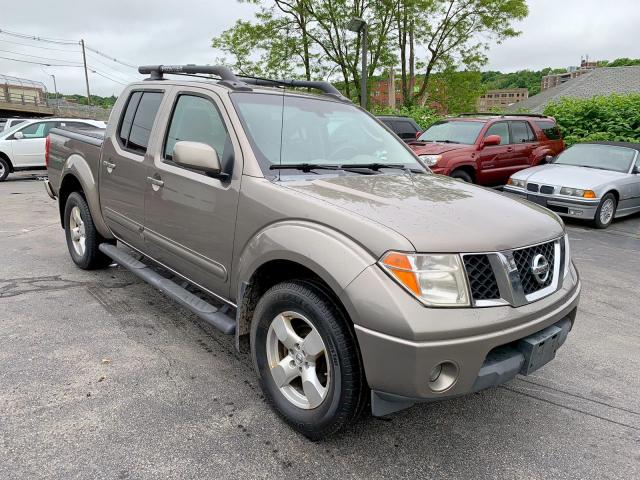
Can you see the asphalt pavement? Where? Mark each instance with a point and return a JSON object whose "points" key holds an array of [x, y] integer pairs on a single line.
{"points": [[101, 376]]}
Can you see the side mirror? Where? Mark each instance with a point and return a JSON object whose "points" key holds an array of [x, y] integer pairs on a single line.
{"points": [[492, 140], [18, 135], [636, 170], [418, 135], [196, 155]]}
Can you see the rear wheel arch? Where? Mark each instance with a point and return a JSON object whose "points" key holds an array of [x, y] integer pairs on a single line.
{"points": [[69, 185]]}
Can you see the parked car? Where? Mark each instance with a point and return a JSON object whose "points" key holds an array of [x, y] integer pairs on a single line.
{"points": [[8, 123], [340, 290], [405, 127], [23, 146], [487, 150], [598, 181]]}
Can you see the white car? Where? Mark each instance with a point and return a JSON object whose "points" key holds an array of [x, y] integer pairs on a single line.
{"points": [[22, 147]]}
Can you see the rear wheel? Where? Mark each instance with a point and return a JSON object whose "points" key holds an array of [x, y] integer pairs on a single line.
{"points": [[306, 359], [82, 237], [462, 175], [606, 211], [4, 169]]}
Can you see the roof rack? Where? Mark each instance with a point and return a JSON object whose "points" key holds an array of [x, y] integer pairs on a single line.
{"points": [[489, 114], [229, 79]]}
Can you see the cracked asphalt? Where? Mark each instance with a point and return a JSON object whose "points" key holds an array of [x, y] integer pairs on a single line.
{"points": [[102, 377]]}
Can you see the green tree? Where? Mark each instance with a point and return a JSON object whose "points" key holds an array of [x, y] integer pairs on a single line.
{"points": [[459, 32]]}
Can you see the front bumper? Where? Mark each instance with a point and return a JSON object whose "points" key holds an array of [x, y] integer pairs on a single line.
{"points": [[564, 206], [398, 362]]}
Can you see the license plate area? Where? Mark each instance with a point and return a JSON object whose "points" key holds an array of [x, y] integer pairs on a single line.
{"points": [[540, 348], [536, 199]]}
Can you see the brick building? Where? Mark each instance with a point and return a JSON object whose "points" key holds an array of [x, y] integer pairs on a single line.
{"points": [[501, 98]]}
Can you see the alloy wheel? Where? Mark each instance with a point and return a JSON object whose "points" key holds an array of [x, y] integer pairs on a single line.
{"points": [[607, 211], [298, 360], [77, 230]]}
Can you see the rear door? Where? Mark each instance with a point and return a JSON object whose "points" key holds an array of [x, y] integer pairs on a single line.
{"points": [[190, 216], [495, 161], [122, 167], [29, 150], [524, 142]]}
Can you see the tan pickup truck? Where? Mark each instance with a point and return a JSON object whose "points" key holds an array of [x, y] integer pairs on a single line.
{"points": [[350, 271]]}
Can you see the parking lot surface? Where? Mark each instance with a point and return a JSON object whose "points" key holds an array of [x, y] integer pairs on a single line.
{"points": [[101, 376]]}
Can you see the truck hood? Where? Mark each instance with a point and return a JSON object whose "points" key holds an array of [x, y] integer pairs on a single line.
{"points": [[436, 213], [568, 176], [430, 148]]}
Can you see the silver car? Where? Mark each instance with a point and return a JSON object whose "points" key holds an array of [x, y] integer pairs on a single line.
{"points": [[597, 181]]}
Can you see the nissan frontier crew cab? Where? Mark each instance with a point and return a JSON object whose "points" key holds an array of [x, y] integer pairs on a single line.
{"points": [[352, 274]]}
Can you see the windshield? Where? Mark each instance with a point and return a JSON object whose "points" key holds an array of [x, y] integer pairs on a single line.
{"points": [[452, 131], [290, 130], [604, 157]]}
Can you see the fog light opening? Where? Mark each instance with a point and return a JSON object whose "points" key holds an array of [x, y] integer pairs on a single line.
{"points": [[443, 376]]}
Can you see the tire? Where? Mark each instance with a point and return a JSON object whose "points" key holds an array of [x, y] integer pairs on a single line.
{"points": [[462, 175], [82, 237], [606, 211], [5, 167], [309, 314]]}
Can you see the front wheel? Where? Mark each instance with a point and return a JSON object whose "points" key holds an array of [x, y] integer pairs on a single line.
{"points": [[4, 169], [606, 211], [82, 237], [462, 175], [306, 358]]}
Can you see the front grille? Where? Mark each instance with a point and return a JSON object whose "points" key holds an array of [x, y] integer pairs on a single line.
{"points": [[482, 280], [524, 258], [532, 187], [547, 189]]}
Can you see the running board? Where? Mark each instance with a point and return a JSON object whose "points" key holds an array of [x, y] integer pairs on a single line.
{"points": [[202, 309]]}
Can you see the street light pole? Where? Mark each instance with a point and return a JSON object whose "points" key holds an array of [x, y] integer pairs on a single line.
{"points": [[359, 26], [55, 88]]}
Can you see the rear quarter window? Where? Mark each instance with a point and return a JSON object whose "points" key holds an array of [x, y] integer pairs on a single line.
{"points": [[549, 128]]}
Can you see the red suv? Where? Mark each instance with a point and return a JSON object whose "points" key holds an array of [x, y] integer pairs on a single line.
{"points": [[487, 150]]}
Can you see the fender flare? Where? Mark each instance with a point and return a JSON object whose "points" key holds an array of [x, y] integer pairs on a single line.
{"points": [[77, 167], [334, 257]]}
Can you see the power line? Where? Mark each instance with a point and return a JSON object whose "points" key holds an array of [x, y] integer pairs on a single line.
{"points": [[107, 65], [109, 57], [41, 58], [41, 63], [40, 39], [39, 46], [106, 76]]}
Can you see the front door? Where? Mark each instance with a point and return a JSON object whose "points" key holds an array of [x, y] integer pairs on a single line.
{"points": [[190, 216], [496, 160], [123, 171], [28, 151]]}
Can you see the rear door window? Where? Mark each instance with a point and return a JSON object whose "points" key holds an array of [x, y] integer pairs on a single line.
{"points": [[499, 128], [521, 133], [549, 128], [138, 119], [405, 129]]}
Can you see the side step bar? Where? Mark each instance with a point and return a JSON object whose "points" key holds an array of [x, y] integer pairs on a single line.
{"points": [[202, 309]]}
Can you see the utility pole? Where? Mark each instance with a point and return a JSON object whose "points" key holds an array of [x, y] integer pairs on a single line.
{"points": [[55, 88], [86, 74]]}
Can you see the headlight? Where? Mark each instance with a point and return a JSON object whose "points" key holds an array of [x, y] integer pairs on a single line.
{"points": [[430, 160], [577, 192], [567, 255], [436, 280], [514, 182]]}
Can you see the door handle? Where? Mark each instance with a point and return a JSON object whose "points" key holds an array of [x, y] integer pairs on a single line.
{"points": [[156, 182], [509, 149], [110, 166]]}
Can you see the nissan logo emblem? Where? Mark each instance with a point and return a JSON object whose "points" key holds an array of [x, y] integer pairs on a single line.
{"points": [[540, 268]]}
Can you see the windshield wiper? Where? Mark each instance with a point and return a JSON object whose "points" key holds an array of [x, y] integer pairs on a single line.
{"points": [[377, 166], [305, 167], [444, 141]]}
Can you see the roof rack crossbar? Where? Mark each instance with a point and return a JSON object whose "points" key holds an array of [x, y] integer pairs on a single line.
{"points": [[227, 77], [324, 87]]}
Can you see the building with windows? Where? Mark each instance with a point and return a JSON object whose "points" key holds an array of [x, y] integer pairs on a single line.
{"points": [[501, 98]]}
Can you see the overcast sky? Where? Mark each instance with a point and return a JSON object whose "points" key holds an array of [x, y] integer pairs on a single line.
{"points": [[556, 33]]}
